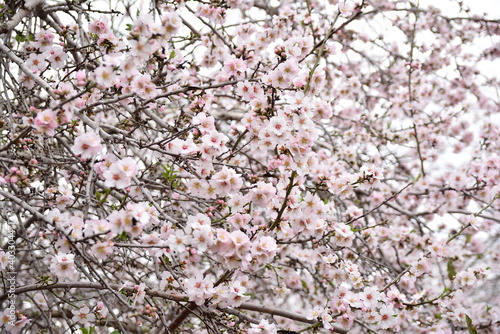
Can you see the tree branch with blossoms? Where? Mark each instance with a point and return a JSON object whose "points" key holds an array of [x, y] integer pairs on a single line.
{"points": [[231, 166]]}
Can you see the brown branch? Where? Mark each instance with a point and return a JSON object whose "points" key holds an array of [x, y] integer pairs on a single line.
{"points": [[284, 314], [192, 305], [154, 293], [33, 7], [464, 212], [67, 314], [181, 317], [90, 285], [285, 202], [332, 31]]}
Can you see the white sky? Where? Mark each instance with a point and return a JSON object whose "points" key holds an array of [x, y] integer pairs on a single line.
{"points": [[490, 7]]}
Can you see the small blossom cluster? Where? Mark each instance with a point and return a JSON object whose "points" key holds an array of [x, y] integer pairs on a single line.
{"points": [[119, 175], [44, 52], [232, 294], [237, 250], [469, 278], [133, 219], [63, 266], [223, 182], [15, 325], [87, 145], [46, 122]]}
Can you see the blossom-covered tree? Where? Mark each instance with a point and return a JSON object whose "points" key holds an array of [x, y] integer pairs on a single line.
{"points": [[245, 166]]}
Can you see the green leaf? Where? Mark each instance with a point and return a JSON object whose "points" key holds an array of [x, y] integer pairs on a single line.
{"points": [[172, 54], [101, 197], [304, 285], [123, 236], [471, 329], [169, 173], [20, 38], [116, 332], [451, 269], [84, 331]]}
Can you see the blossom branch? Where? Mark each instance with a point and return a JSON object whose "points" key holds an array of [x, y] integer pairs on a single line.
{"points": [[285, 314], [26, 70], [285, 202], [90, 285]]}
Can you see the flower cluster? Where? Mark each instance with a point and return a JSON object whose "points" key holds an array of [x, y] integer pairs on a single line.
{"points": [[87, 145]]}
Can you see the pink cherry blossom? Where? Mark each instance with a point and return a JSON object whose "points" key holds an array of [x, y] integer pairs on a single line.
{"points": [[120, 173], [46, 122], [37, 62], [171, 23], [87, 145], [198, 288], [235, 67], [63, 266], [264, 248], [100, 26], [226, 180], [57, 57], [105, 76], [44, 40], [83, 316], [263, 327], [102, 250]]}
